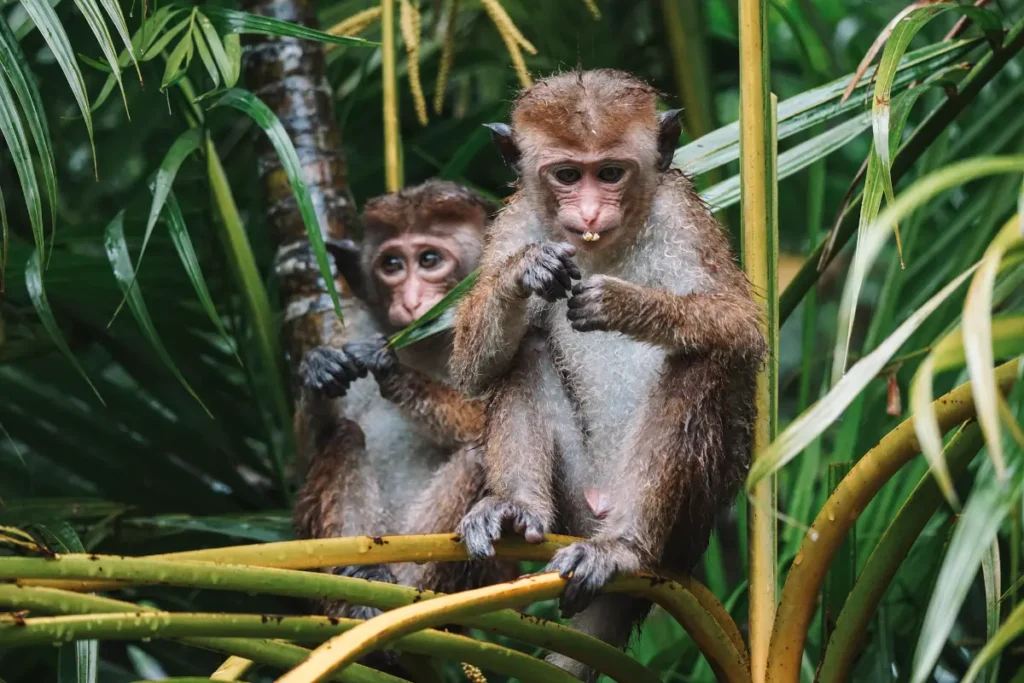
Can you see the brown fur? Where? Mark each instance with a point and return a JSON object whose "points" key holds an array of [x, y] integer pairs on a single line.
{"points": [[395, 455], [637, 391]]}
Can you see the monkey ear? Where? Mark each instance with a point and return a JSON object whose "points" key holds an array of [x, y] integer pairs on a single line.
{"points": [[669, 128], [501, 133], [347, 259]]}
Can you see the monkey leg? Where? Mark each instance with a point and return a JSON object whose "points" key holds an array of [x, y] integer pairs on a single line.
{"points": [[341, 497], [612, 618], [452, 491], [675, 474], [519, 451]]}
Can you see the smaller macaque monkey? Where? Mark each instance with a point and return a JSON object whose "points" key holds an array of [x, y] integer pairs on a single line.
{"points": [[620, 407], [394, 453]]}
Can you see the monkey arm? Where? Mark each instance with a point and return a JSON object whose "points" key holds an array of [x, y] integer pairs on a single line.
{"points": [[723, 322], [341, 494], [447, 415], [489, 326]]}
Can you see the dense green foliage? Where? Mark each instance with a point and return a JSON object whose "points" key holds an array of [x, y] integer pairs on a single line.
{"points": [[170, 429]]}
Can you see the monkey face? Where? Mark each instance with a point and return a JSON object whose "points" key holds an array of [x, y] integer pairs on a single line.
{"points": [[412, 273], [590, 196]]}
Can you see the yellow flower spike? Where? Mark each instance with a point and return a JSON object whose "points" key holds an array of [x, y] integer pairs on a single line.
{"points": [[409, 22], [512, 38], [594, 10], [447, 58], [473, 674], [355, 24]]}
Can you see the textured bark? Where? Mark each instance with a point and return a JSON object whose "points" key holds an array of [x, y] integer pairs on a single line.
{"points": [[289, 76]]}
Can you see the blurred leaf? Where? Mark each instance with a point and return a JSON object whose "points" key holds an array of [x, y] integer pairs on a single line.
{"points": [[37, 293], [16, 67], [259, 112], [988, 505], [871, 202], [903, 32], [233, 21], [187, 143], [17, 142], [247, 275], [4, 247], [205, 57], [113, 10], [727, 193], [147, 43], [819, 416], [804, 111], [94, 18], [45, 19], [875, 235], [1010, 631], [435, 320], [1004, 339], [34, 510], [183, 244], [977, 340], [120, 261], [227, 65], [991, 575], [179, 59], [264, 528]]}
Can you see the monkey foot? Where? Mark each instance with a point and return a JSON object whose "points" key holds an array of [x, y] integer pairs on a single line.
{"points": [[482, 525], [589, 566]]}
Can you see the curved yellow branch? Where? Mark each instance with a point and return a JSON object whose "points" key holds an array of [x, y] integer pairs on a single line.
{"points": [[897, 448], [375, 633], [360, 550]]}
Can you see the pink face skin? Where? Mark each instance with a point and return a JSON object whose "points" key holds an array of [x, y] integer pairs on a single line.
{"points": [[589, 193], [416, 271]]}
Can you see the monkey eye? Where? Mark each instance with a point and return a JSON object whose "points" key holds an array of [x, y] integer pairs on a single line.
{"points": [[390, 264], [430, 259], [611, 174], [567, 175]]}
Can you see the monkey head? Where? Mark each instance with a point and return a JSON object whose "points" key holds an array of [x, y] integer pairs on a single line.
{"points": [[589, 147], [417, 244]]}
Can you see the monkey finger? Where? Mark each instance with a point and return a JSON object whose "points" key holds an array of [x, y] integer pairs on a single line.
{"points": [[571, 268], [562, 275], [554, 290]]}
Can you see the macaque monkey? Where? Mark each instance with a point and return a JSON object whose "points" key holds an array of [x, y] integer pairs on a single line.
{"points": [[393, 453], [620, 408]]}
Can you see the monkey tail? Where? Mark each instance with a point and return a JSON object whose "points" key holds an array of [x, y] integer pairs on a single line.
{"points": [[473, 674]]}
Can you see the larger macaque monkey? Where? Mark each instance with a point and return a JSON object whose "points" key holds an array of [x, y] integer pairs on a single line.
{"points": [[620, 409], [393, 453]]}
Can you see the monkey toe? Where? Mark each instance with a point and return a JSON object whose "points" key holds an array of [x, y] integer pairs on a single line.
{"points": [[386, 661], [370, 572], [479, 529], [363, 612], [587, 567]]}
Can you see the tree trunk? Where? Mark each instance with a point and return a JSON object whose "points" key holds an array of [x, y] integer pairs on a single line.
{"points": [[289, 76]]}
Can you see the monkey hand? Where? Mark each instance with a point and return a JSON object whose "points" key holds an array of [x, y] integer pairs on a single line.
{"points": [[373, 354], [589, 566], [483, 524], [600, 303], [546, 270], [330, 371]]}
